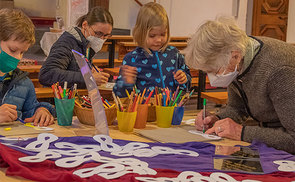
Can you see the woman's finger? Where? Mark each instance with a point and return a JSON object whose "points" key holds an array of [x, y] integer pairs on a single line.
{"points": [[105, 74]]}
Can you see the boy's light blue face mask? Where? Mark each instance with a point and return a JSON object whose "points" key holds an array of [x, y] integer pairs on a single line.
{"points": [[7, 62]]}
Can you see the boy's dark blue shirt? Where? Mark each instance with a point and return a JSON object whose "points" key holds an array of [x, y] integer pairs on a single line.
{"points": [[149, 74]]}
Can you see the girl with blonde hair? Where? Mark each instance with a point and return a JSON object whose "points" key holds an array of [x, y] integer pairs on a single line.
{"points": [[153, 62]]}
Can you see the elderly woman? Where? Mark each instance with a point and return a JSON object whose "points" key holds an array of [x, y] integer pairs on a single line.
{"points": [[260, 75]]}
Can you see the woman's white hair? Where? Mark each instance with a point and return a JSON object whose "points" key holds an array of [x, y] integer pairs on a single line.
{"points": [[210, 47]]}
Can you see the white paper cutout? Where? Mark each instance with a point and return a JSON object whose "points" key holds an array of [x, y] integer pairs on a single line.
{"points": [[42, 143], [116, 168], [191, 176], [75, 161], [13, 139], [144, 153], [40, 157], [129, 148], [111, 168], [138, 166], [189, 121], [43, 128], [222, 177], [76, 149], [106, 143], [211, 137], [168, 150], [285, 165]]}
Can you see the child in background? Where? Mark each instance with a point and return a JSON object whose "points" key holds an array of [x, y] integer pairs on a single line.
{"points": [[153, 63], [17, 92]]}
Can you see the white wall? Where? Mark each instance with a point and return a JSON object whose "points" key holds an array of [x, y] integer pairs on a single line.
{"points": [[291, 22], [43, 8], [184, 16]]}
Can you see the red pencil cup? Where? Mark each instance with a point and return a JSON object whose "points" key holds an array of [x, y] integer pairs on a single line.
{"points": [[142, 115]]}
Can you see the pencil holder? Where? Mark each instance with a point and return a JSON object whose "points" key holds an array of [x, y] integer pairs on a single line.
{"points": [[126, 120], [177, 115], [151, 113], [64, 110], [86, 116], [164, 116], [141, 118]]}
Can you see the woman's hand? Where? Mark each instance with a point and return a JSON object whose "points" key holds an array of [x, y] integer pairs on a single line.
{"points": [[8, 113], [42, 117], [129, 74], [100, 77], [227, 128], [180, 77], [207, 122]]}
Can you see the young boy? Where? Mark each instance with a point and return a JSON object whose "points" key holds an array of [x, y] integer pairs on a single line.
{"points": [[17, 92]]}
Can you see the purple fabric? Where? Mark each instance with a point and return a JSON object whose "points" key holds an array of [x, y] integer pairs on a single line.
{"points": [[269, 154], [167, 161], [204, 162]]}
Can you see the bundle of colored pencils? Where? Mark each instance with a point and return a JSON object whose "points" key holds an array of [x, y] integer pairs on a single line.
{"points": [[134, 99], [64, 93], [85, 101], [165, 97]]}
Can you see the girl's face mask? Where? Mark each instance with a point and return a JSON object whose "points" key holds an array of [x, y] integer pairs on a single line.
{"points": [[7, 62]]}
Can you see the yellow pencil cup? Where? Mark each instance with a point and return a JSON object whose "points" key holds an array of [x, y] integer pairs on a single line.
{"points": [[126, 121], [164, 116]]}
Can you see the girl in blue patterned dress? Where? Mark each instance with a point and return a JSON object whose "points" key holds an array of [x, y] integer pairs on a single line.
{"points": [[153, 63]]}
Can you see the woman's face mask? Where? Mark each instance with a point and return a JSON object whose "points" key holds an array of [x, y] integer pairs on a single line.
{"points": [[7, 62], [222, 80], [95, 42]]}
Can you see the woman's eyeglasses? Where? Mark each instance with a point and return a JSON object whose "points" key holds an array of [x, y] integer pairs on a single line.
{"points": [[100, 34]]}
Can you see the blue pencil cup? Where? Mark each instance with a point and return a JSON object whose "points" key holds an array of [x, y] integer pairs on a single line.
{"points": [[177, 115]]}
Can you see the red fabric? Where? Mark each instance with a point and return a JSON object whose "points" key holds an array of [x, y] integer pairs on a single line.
{"points": [[48, 171]]}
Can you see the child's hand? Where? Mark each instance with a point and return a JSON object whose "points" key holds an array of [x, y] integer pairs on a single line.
{"points": [[129, 74], [42, 117], [100, 77], [180, 77], [8, 113]]}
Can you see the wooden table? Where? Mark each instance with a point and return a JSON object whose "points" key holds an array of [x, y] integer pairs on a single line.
{"points": [[105, 62], [47, 92], [32, 69], [112, 71], [125, 47], [115, 39], [217, 97]]}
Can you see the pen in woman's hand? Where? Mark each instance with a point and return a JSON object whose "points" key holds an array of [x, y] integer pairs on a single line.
{"points": [[204, 114], [95, 68]]}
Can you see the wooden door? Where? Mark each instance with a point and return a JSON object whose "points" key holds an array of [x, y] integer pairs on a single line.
{"points": [[270, 18], [102, 3]]}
